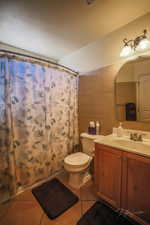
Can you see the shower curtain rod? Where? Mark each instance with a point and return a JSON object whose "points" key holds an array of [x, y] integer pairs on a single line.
{"points": [[39, 59]]}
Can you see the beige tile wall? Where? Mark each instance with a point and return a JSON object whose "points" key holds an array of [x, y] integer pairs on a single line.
{"points": [[96, 100]]}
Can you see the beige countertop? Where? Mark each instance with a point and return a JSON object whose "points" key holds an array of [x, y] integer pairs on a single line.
{"points": [[125, 144]]}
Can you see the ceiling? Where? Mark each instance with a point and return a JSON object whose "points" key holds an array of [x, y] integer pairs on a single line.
{"points": [[57, 28]]}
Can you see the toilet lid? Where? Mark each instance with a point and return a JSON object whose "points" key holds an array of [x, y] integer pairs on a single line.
{"points": [[77, 159]]}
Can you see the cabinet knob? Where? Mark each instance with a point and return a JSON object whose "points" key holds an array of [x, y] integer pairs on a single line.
{"points": [[124, 158]]}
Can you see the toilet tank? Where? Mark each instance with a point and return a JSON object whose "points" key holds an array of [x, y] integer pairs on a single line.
{"points": [[87, 142]]}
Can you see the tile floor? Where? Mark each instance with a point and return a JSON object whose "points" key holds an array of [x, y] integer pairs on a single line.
{"points": [[25, 210]]}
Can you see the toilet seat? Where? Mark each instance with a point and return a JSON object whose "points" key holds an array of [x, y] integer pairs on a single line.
{"points": [[77, 159]]}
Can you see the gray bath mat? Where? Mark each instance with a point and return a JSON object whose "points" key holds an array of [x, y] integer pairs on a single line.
{"points": [[102, 214]]}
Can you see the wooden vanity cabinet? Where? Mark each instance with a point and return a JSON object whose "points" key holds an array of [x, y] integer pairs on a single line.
{"points": [[108, 170], [123, 180], [136, 185]]}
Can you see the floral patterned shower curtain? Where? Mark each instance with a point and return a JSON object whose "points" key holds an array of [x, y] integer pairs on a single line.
{"points": [[38, 122]]}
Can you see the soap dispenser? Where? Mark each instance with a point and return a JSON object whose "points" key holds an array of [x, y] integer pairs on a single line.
{"points": [[97, 128], [120, 130]]}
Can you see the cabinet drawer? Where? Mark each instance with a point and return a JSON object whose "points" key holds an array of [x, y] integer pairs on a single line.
{"points": [[108, 149]]}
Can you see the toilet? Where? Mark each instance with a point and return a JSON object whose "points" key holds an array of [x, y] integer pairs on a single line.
{"points": [[77, 164]]}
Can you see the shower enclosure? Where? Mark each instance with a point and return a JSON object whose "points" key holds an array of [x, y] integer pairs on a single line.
{"points": [[38, 122]]}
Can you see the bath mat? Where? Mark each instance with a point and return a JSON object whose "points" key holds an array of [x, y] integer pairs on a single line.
{"points": [[54, 197], [101, 214]]}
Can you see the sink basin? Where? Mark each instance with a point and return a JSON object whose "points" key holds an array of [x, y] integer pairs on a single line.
{"points": [[124, 143], [132, 144], [129, 144]]}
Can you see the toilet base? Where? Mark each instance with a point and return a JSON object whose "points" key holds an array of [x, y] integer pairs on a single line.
{"points": [[76, 180], [87, 178]]}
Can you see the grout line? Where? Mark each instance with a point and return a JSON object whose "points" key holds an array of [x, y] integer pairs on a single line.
{"points": [[42, 216]]}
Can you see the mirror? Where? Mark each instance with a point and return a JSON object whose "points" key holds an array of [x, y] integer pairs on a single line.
{"points": [[132, 91]]}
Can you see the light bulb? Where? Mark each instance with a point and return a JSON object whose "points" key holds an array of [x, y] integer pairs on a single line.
{"points": [[126, 51], [143, 44]]}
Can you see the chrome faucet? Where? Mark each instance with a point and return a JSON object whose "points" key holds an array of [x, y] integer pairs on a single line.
{"points": [[136, 137]]}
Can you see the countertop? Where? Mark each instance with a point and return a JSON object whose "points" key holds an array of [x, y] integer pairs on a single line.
{"points": [[140, 148]]}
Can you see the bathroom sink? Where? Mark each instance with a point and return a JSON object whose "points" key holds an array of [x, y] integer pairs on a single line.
{"points": [[124, 143], [145, 145]]}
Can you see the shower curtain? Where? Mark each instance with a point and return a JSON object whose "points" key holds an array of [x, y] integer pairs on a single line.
{"points": [[38, 122]]}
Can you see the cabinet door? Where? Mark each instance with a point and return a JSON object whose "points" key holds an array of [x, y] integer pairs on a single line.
{"points": [[136, 186], [108, 167]]}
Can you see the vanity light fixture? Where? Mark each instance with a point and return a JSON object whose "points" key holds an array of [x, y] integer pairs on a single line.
{"points": [[140, 43]]}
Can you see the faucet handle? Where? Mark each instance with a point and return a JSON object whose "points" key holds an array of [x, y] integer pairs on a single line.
{"points": [[131, 136], [140, 137], [143, 134]]}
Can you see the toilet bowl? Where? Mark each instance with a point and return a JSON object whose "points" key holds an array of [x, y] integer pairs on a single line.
{"points": [[77, 164]]}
